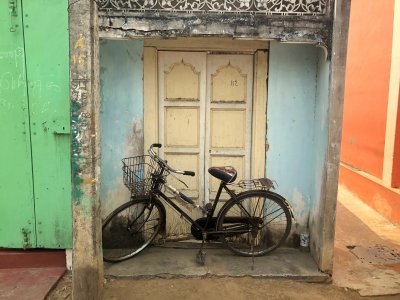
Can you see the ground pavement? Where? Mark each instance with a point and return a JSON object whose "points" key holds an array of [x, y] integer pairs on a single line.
{"points": [[366, 262]]}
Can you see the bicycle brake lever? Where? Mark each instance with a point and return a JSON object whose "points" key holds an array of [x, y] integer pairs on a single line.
{"points": [[179, 180]]}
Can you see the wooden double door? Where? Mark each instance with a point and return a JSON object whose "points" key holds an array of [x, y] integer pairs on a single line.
{"points": [[205, 118]]}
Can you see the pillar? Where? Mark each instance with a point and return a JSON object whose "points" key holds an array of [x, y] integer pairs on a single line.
{"points": [[87, 272]]}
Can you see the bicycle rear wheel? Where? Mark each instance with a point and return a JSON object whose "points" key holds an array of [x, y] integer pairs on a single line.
{"points": [[131, 227], [256, 223]]}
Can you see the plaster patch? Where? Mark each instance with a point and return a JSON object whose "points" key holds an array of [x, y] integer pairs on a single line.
{"points": [[89, 180], [114, 198], [134, 141], [79, 42], [300, 207]]}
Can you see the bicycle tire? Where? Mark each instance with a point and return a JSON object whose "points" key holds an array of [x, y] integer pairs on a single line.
{"points": [[271, 217], [131, 227]]}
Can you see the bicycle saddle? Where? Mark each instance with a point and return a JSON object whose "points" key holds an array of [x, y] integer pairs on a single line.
{"points": [[225, 174]]}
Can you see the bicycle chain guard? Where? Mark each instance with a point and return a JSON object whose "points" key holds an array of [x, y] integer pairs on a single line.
{"points": [[196, 232]]}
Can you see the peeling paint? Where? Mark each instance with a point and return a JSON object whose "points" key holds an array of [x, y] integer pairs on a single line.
{"points": [[300, 207], [79, 42], [76, 101], [121, 119], [89, 180], [316, 30]]}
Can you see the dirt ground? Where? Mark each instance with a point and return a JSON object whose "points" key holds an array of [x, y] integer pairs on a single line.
{"points": [[214, 288]]}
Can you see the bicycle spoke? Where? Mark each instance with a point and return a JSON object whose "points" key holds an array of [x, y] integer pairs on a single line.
{"points": [[265, 221]]}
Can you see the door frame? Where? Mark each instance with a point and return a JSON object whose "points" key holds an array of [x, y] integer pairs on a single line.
{"points": [[211, 45]]}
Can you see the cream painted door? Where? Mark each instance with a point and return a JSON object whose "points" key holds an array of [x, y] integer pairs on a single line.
{"points": [[228, 116], [205, 119]]}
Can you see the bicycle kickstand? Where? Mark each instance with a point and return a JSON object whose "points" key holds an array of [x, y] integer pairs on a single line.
{"points": [[253, 239], [201, 255]]}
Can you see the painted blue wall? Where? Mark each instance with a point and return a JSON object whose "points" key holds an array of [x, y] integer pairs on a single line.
{"points": [[121, 115], [296, 117]]}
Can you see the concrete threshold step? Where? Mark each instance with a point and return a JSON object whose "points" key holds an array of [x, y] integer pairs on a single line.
{"points": [[163, 262], [34, 258]]}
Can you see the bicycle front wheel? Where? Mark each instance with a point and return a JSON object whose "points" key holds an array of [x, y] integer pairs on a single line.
{"points": [[255, 223], [131, 227]]}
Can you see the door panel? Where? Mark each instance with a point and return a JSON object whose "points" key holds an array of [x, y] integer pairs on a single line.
{"points": [[48, 90], [182, 161], [177, 118], [229, 113], [181, 126], [182, 82], [228, 128], [17, 218], [228, 84]]}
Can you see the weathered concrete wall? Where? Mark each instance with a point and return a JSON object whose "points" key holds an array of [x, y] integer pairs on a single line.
{"points": [[324, 226], [320, 147], [311, 29], [121, 115], [296, 133]]}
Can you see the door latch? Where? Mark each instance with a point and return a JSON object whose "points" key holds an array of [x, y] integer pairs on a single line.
{"points": [[12, 5], [59, 127]]}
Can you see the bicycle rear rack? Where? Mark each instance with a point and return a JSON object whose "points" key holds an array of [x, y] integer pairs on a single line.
{"points": [[251, 184]]}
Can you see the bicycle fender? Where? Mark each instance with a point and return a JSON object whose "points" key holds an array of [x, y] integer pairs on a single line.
{"points": [[285, 202]]}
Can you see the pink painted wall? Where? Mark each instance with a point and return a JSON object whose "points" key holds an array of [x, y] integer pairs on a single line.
{"points": [[367, 84]]}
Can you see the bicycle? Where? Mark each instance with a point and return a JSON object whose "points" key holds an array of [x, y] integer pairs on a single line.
{"points": [[253, 222]]}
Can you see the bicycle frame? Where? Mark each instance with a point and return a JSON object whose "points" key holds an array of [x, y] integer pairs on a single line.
{"points": [[156, 190]]}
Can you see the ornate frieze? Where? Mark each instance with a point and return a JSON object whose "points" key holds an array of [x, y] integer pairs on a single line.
{"points": [[266, 7]]}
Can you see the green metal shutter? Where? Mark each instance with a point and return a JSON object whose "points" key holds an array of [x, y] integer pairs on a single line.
{"points": [[45, 205]]}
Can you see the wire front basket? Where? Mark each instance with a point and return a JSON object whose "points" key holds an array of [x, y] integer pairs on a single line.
{"points": [[137, 174]]}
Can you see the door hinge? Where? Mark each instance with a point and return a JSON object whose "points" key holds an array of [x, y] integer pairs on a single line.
{"points": [[12, 5]]}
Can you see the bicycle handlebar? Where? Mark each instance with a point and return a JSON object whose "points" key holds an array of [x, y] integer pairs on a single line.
{"points": [[164, 164]]}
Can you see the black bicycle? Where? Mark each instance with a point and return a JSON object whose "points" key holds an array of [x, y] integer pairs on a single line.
{"points": [[253, 222]]}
